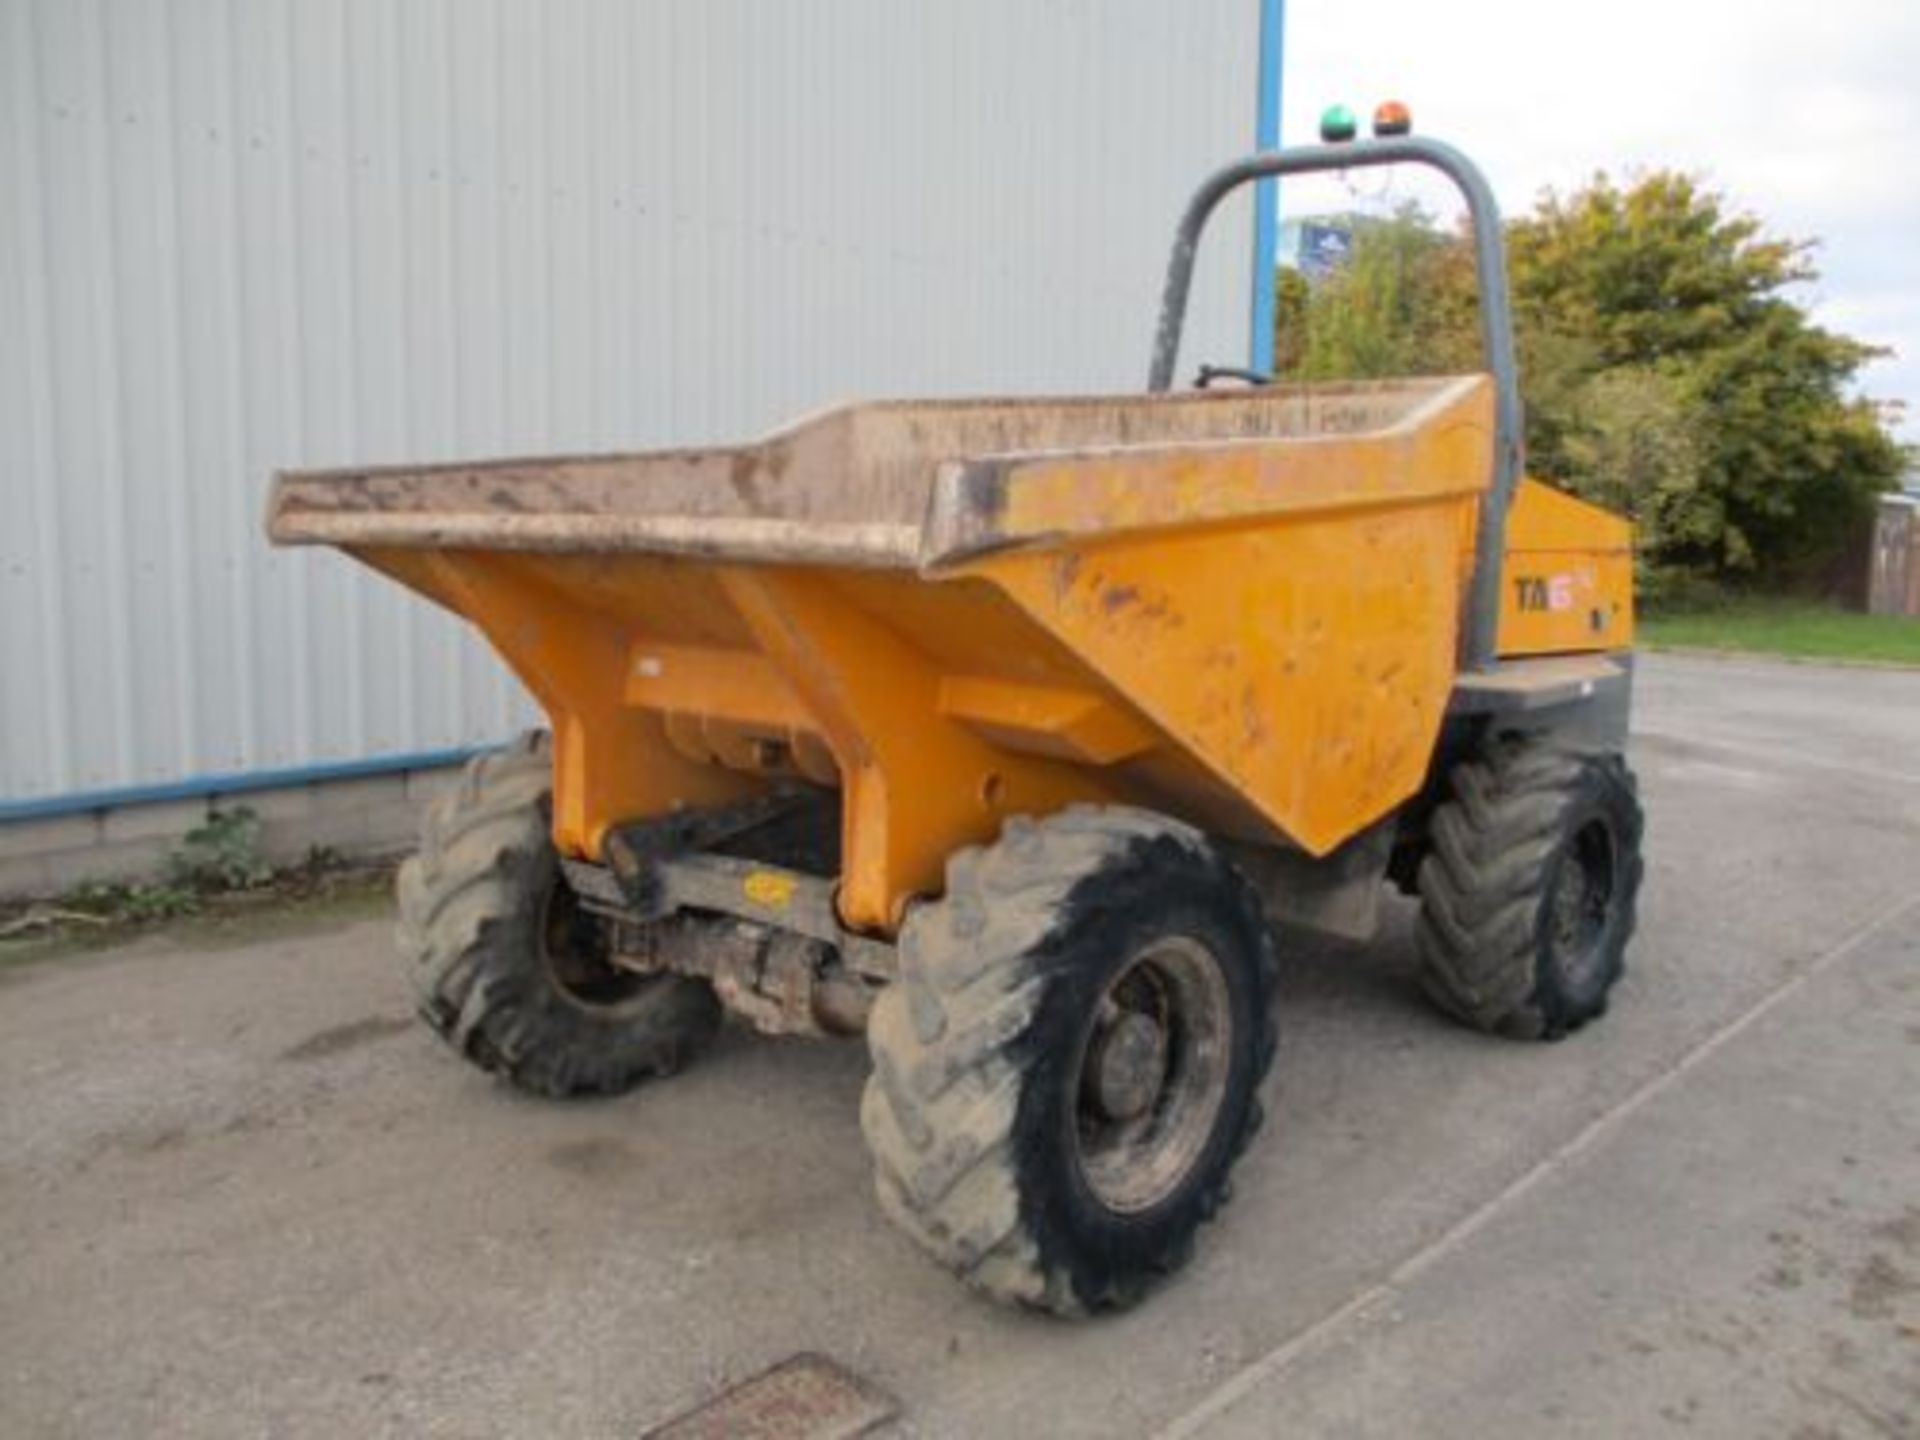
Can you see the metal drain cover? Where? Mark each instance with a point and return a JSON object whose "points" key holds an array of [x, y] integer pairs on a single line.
{"points": [[807, 1397]]}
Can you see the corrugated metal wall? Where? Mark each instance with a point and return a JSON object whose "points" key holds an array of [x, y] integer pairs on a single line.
{"points": [[243, 234]]}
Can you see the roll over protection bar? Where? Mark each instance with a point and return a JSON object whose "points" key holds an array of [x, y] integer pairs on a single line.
{"points": [[1479, 637]]}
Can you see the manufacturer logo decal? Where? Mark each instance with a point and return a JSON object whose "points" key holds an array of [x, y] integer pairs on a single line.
{"points": [[1543, 593]]}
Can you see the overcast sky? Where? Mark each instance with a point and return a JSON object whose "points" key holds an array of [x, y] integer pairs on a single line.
{"points": [[1807, 114]]}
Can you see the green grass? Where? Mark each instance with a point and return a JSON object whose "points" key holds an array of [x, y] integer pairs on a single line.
{"points": [[1787, 627]]}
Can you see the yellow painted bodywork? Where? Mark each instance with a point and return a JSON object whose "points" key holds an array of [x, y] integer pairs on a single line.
{"points": [[1262, 641], [1567, 585]]}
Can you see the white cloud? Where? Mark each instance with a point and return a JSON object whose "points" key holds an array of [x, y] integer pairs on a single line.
{"points": [[1807, 115]]}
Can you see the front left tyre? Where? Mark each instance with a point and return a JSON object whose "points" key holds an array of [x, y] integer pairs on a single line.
{"points": [[1067, 1068]]}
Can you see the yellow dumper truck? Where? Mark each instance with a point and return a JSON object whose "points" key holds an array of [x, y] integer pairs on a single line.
{"points": [[1006, 732]]}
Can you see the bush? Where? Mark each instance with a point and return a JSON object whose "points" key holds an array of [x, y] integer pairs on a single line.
{"points": [[1667, 368], [222, 854]]}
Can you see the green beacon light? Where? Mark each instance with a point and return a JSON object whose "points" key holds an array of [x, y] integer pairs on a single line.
{"points": [[1338, 125]]}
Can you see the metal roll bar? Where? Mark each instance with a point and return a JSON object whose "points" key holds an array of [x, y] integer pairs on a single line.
{"points": [[1479, 637]]}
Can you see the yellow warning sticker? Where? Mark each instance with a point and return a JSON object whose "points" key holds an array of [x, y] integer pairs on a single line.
{"points": [[768, 887]]}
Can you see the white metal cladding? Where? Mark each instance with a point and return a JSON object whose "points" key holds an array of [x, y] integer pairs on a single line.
{"points": [[237, 235]]}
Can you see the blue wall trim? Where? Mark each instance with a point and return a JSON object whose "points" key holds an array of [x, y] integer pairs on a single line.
{"points": [[201, 787], [1266, 217]]}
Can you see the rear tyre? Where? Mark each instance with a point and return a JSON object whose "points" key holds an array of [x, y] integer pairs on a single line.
{"points": [[1065, 1072], [1529, 889], [508, 969]]}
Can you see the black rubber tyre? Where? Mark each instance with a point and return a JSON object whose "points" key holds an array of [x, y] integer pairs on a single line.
{"points": [[506, 968], [1528, 892], [1011, 987]]}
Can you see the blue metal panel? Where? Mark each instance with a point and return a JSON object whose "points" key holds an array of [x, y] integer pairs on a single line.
{"points": [[1266, 136]]}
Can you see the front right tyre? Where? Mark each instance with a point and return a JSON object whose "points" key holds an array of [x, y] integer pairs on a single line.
{"points": [[508, 968]]}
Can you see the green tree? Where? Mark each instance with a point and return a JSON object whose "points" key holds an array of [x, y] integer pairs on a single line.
{"points": [[1403, 304], [1666, 367], [1292, 300], [1661, 279], [1635, 440]]}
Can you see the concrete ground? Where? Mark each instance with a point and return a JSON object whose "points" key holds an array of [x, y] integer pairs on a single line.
{"points": [[241, 1194]]}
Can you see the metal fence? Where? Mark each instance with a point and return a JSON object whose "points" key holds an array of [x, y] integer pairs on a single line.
{"points": [[1893, 573]]}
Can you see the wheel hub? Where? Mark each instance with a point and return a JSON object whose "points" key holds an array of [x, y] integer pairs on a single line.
{"points": [[1128, 1066], [1580, 904], [574, 950], [1153, 1074]]}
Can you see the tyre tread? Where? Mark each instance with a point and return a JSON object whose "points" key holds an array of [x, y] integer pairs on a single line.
{"points": [[463, 931], [941, 1108], [1484, 879]]}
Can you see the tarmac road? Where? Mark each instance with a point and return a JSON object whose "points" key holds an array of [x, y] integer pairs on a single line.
{"points": [[241, 1194]]}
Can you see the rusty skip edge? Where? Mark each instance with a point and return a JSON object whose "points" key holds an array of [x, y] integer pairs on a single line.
{"points": [[966, 519], [944, 539], [877, 545], [874, 486]]}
